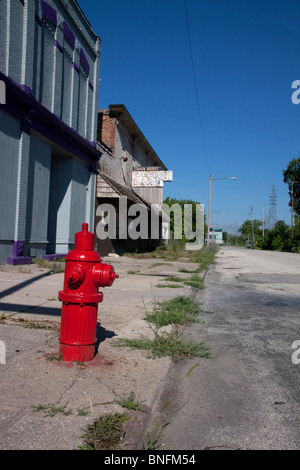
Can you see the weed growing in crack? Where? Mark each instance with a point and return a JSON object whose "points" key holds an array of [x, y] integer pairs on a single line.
{"points": [[166, 344], [176, 312], [180, 310], [52, 410], [105, 433]]}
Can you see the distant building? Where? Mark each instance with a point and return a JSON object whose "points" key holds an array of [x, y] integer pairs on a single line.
{"points": [[49, 64], [216, 236], [129, 169]]}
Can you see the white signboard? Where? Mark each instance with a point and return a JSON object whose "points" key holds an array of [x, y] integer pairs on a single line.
{"points": [[150, 179]]}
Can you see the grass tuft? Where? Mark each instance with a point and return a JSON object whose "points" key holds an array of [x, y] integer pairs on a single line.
{"points": [[167, 345], [180, 310], [105, 433]]}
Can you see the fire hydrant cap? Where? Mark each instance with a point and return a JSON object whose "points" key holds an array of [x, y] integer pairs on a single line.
{"points": [[84, 240]]}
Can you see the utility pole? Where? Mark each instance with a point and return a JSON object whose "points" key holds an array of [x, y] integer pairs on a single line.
{"points": [[209, 201], [235, 234], [208, 219], [292, 205], [252, 226], [263, 221], [292, 208]]}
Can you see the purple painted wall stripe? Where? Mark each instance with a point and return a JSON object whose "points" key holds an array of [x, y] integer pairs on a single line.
{"points": [[26, 89], [48, 12], [69, 34], [38, 20], [84, 62], [75, 66], [58, 45]]}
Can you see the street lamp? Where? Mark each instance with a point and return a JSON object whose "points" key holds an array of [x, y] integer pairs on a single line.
{"points": [[209, 200], [212, 218]]}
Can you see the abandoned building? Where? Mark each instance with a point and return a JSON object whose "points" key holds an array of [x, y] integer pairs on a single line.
{"points": [[129, 170]]}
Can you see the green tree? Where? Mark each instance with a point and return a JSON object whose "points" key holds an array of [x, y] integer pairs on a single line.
{"points": [[296, 236], [172, 201], [249, 228], [292, 173], [279, 238]]}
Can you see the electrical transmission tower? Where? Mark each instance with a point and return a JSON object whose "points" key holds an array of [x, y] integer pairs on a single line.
{"points": [[272, 218]]}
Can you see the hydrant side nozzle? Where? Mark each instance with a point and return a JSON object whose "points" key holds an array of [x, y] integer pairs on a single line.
{"points": [[77, 276], [105, 275]]}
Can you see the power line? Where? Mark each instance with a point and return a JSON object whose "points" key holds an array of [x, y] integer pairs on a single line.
{"points": [[195, 84]]}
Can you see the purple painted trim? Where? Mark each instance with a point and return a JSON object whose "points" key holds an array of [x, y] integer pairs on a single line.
{"points": [[18, 249], [84, 62], [19, 260], [70, 36], [93, 144], [91, 86], [18, 254], [26, 89], [58, 45], [43, 121], [26, 122], [49, 13], [75, 66], [53, 257], [38, 20]]}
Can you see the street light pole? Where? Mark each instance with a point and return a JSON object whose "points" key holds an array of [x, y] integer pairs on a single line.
{"points": [[208, 219], [209, 201]]}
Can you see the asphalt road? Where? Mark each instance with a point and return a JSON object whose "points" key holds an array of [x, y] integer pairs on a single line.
{"points": [[246, 396]]}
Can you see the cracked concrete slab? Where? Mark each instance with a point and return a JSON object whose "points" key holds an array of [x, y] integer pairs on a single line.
{"points": [[33, 377]]}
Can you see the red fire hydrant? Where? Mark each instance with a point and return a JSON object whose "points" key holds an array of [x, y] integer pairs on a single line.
{"points": [[84, 274]]}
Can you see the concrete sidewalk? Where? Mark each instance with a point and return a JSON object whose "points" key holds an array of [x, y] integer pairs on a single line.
{"points": [[29, 379]]}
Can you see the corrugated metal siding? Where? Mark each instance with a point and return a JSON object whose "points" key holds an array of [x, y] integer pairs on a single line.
{"points": [[14, 39], [47, 64], [38, 191], [82, 103], [79, 196], [67, 84], [9, 146], [3, 35], [59, 202]]}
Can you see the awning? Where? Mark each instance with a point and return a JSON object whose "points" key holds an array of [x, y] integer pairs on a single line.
{"points": [[107, 187]]}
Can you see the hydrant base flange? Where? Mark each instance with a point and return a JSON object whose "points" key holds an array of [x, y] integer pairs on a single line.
{"points": [[71, 353]]}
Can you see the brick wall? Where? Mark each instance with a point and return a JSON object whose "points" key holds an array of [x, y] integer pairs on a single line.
{"points": [[106, 130]]}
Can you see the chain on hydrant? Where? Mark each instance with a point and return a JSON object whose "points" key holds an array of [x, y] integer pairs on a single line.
{"points": [[84, 274]]}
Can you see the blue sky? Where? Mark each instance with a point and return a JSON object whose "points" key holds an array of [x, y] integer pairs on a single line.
{"points": [[246, 56]]}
